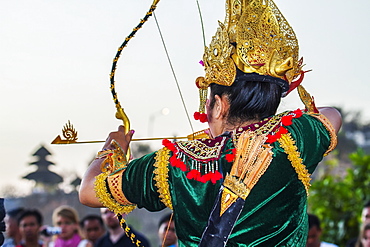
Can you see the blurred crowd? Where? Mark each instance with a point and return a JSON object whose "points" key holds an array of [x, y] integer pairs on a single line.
{"points": [[24, 228]]}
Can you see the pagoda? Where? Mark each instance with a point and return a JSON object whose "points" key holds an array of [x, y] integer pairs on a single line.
{"points": [[46, 180]]}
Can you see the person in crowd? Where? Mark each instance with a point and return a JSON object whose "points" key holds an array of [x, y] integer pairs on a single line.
{"points": [[364, 236], [365, 216], [243, 181], [92, 227], [116, 236], [13, 236], [30, 222], [2, 223], [166, 231], [67, 219], [314, 233]]}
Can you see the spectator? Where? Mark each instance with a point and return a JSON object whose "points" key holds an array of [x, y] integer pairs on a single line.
{"points": [[166, 231], [116, 236], [364, 237], [2, 223], [365, 216], [92, 227], [13, 236], [66, 218], [30, 222], [314, 233]]}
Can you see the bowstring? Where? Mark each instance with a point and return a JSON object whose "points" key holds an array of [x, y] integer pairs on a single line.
{"points": [[174, 74], [170, 62]]}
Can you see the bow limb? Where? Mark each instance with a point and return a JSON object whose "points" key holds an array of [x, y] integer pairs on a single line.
{"points": [[120, 114]]}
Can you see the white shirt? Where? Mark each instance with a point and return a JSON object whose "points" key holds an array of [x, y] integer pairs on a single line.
{"points": [[325, 244]]}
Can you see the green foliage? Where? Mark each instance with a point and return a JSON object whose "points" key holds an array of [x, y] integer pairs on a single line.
{"points": [[338, 199]]}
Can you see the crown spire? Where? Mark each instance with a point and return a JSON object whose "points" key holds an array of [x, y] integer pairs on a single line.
{"points": [[254, 38]]}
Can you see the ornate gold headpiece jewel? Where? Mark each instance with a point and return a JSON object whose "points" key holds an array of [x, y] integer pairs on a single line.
{"points": [[255, 38]]}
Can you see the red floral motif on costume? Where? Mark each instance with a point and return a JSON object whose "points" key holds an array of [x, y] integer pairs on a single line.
{"points": [[298, 113], [231, 157], [277, 135], [285, 121]]}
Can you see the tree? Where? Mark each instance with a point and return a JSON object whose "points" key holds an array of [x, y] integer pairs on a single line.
{"points": [[338, 199]]}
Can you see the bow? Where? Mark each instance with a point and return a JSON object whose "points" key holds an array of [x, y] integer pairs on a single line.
{"points": [[68, 131], [120, 114]]}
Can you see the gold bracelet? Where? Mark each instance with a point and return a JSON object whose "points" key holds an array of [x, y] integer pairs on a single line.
{"points": [[115, 159], [108, 185]]}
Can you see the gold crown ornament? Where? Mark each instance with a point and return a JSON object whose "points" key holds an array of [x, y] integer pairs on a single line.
{"points": [[255, 39]]}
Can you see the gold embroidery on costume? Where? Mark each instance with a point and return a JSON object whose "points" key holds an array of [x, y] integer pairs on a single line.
{"points": [[102, 193], [288, 144], [200, 150], [264, 128], [115, 187], [330, 128], [161, 176]]}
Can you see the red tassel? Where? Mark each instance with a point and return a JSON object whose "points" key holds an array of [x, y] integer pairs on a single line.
{"points": [[205, 178], [202, 117], [175, 162], [216, 176], [168, 144], [193, 174]]}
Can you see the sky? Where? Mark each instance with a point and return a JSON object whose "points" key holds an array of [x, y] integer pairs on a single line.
{"points": [[56, 56]]}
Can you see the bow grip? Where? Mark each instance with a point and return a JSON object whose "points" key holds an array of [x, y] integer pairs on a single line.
{"points": [[120, 114]]}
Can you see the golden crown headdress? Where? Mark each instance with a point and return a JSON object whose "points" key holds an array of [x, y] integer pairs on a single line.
{"points": [[255, 38]]}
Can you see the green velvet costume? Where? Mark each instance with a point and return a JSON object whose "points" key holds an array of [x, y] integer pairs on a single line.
{"points": [[275, 212]]}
